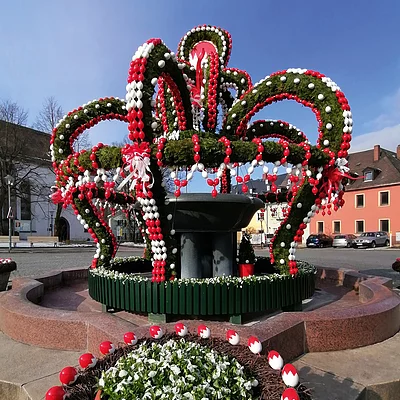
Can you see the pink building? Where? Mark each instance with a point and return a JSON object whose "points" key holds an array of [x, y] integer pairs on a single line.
{"points": [[372, 203]]}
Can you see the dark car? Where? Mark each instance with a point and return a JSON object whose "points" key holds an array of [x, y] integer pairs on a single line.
{"points": [[320, 240]]}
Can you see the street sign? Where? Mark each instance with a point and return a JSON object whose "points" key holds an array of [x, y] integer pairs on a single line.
{"points": [[10, 214], [261, 216]]}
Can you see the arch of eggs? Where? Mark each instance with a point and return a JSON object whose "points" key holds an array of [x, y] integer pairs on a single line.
{"points": [[69, 375], [170, 99]]}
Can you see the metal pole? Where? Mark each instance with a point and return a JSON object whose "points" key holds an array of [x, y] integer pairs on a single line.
{"points": [[9, 218]]}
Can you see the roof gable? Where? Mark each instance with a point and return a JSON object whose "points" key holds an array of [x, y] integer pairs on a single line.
{"points": [[387, 169]]}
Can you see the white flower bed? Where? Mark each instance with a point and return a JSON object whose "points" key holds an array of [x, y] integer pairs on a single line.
{"points": [[304, 267], [177, 369]]}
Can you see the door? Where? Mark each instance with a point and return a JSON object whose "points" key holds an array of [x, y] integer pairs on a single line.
{"points": [[380, 238]]}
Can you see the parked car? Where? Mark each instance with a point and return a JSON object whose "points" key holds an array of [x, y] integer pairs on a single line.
{"points": [[343, 240], [320, 240], [372, 239]]}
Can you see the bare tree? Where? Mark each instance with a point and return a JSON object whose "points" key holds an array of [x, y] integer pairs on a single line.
{"points": [[46, 121], [22, 157], [12, 112], [49, 116]]}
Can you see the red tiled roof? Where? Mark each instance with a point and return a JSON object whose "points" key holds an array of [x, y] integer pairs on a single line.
{"points": [[387, 169]]}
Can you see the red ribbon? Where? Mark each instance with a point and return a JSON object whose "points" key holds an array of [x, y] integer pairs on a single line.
{"points": [[56, 197], [196, 90], [332, 178]]}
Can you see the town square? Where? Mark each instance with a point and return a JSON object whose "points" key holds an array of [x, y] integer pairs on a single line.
{"points": [[195, 207]]}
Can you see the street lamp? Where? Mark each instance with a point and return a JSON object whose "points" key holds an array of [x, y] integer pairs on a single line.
{"points": [[9, 181]]}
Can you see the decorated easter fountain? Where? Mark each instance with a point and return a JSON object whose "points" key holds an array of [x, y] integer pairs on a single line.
{"points": [[192, 113]]}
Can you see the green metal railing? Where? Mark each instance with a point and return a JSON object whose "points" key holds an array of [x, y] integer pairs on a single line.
{"points": [[200, 298]]}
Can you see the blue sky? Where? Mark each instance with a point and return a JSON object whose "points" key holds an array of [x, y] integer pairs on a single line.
{"points": [[79, 50]]}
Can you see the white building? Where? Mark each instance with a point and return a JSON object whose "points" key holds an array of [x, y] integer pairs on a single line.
{"points": [[24, 154]]}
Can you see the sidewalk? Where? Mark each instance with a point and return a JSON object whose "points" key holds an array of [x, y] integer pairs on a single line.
{"points": [[368, 373], [24, 247]]}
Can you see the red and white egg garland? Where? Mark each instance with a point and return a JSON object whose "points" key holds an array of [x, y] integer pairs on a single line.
{"points": [[333, 171], [68, 167], [307, 87], [69, 375]]}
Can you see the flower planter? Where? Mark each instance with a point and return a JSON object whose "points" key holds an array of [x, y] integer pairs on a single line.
{"points": [[225, 296], [246, 270], [5, 271]]}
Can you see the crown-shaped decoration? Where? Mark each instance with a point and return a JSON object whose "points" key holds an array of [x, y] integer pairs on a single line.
{"points": [[189, 111]]}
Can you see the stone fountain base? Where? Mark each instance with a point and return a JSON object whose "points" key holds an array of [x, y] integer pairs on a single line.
{"points": [[349, 310]]}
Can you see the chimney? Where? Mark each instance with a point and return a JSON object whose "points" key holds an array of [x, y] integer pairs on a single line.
{"points": [[377, 152], [398, 152]]}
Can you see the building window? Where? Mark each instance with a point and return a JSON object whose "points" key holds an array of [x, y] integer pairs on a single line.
{"points": [[359, 200], [336, 227], [359, 226], [320, 227], [384, 225], [25, 189], [384, 198], [368, 176]]}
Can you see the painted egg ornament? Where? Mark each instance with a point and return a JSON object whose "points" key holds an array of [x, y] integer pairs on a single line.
{"points": [[290, 394], [156, 332], [55, 393], [203, 331], [290, 376], [254, 345], [130, 338], [106, 348], [232, 337], [87, 360], [275, 360], [181, 329], [68, 375]]}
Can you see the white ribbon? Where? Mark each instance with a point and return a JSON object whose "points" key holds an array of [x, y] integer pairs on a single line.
{"points": [[138, 168]]}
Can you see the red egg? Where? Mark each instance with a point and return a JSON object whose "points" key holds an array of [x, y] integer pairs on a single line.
{"points": [[203, 331], [232, 337], [68, 375], [290, 394], [55, 393], [181, 329], [290, 376], [107, 348], [87, 360], [130, 338], [156, 332], [254, 345], [275, 360]]}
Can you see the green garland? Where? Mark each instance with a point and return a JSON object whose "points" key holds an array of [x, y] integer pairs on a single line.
{"points": [[263, 91], [203, 35], [238, 78], [269, 127], [79, 118]]}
